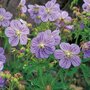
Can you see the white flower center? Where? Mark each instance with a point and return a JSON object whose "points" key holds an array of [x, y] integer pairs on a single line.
{"points": [[36, 9], [1, 18], [41, 45], [68, 53], [47, 10], [38, 17], [18, 32]]}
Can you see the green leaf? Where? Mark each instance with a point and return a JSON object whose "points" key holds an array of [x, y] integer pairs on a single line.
{"points": [[86, 73]]}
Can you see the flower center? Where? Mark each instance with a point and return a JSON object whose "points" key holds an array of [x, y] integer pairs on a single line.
{"points": [[61, 19], [47, 10], [41, 45], [36, 9], [38, 17], [68, 53], [18, 32], [1, 18]]}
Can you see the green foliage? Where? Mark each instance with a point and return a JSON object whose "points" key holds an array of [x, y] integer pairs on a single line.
{"points": [[86, 74]]}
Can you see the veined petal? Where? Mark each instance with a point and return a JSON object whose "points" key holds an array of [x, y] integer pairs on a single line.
{"points": [[2, 58], [75, 49], [2, 11], [65, 63], [59, 54], [16, 24], [9, 32], [64, 14], [86, 54], [1, 50], [65, 46], [1, 66], [49, 50], [50, 4], [14, 41], [8, 15], [44, 17], [23, 39], [22, 2], [24, 29], [5, 23], [24, 9], [75, 60]]}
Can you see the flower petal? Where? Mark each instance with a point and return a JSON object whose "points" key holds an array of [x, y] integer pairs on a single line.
{"points": [[1, 50], [24, 29], [75, 60], [65, 46], [52, 16], [16, 24], [9, 32], [65, 63], [24, 9], [23, 39], [2, 11], [59, 54], [43, 54], [50, 4], [64, 14], [22, 2], [2, 58], [86, 54], [14, 41], [1, 66], [49, 50], [44, 17], [5, 23], [8, 15], [37, 53], [75, 49]]}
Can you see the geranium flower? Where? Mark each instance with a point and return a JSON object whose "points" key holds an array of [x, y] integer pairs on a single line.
{"points": [[54, 35], [86, 49], [2, 58], [23, 6], [2, 82], [42, 46], [17, 32], [87, 1], [86, 7], [68, 55], [4, 17], [64, 17], [50, 11], [34, 13]]}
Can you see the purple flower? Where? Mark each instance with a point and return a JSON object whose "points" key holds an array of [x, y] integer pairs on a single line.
{"points": [[82, 26], [2, 82], [54, 35], [2, 58], [69, 27], [68, 55], [50, 11], [34, 13], [23, 6], [1, 65], [86, 49], [63, 20], [4, 17], [33, 10], [42, 46], [64, 17], [17, 32], [87, 1], [86, 7]]}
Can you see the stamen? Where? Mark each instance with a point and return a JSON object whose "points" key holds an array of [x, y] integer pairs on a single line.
{"points": [[41, 45]]}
